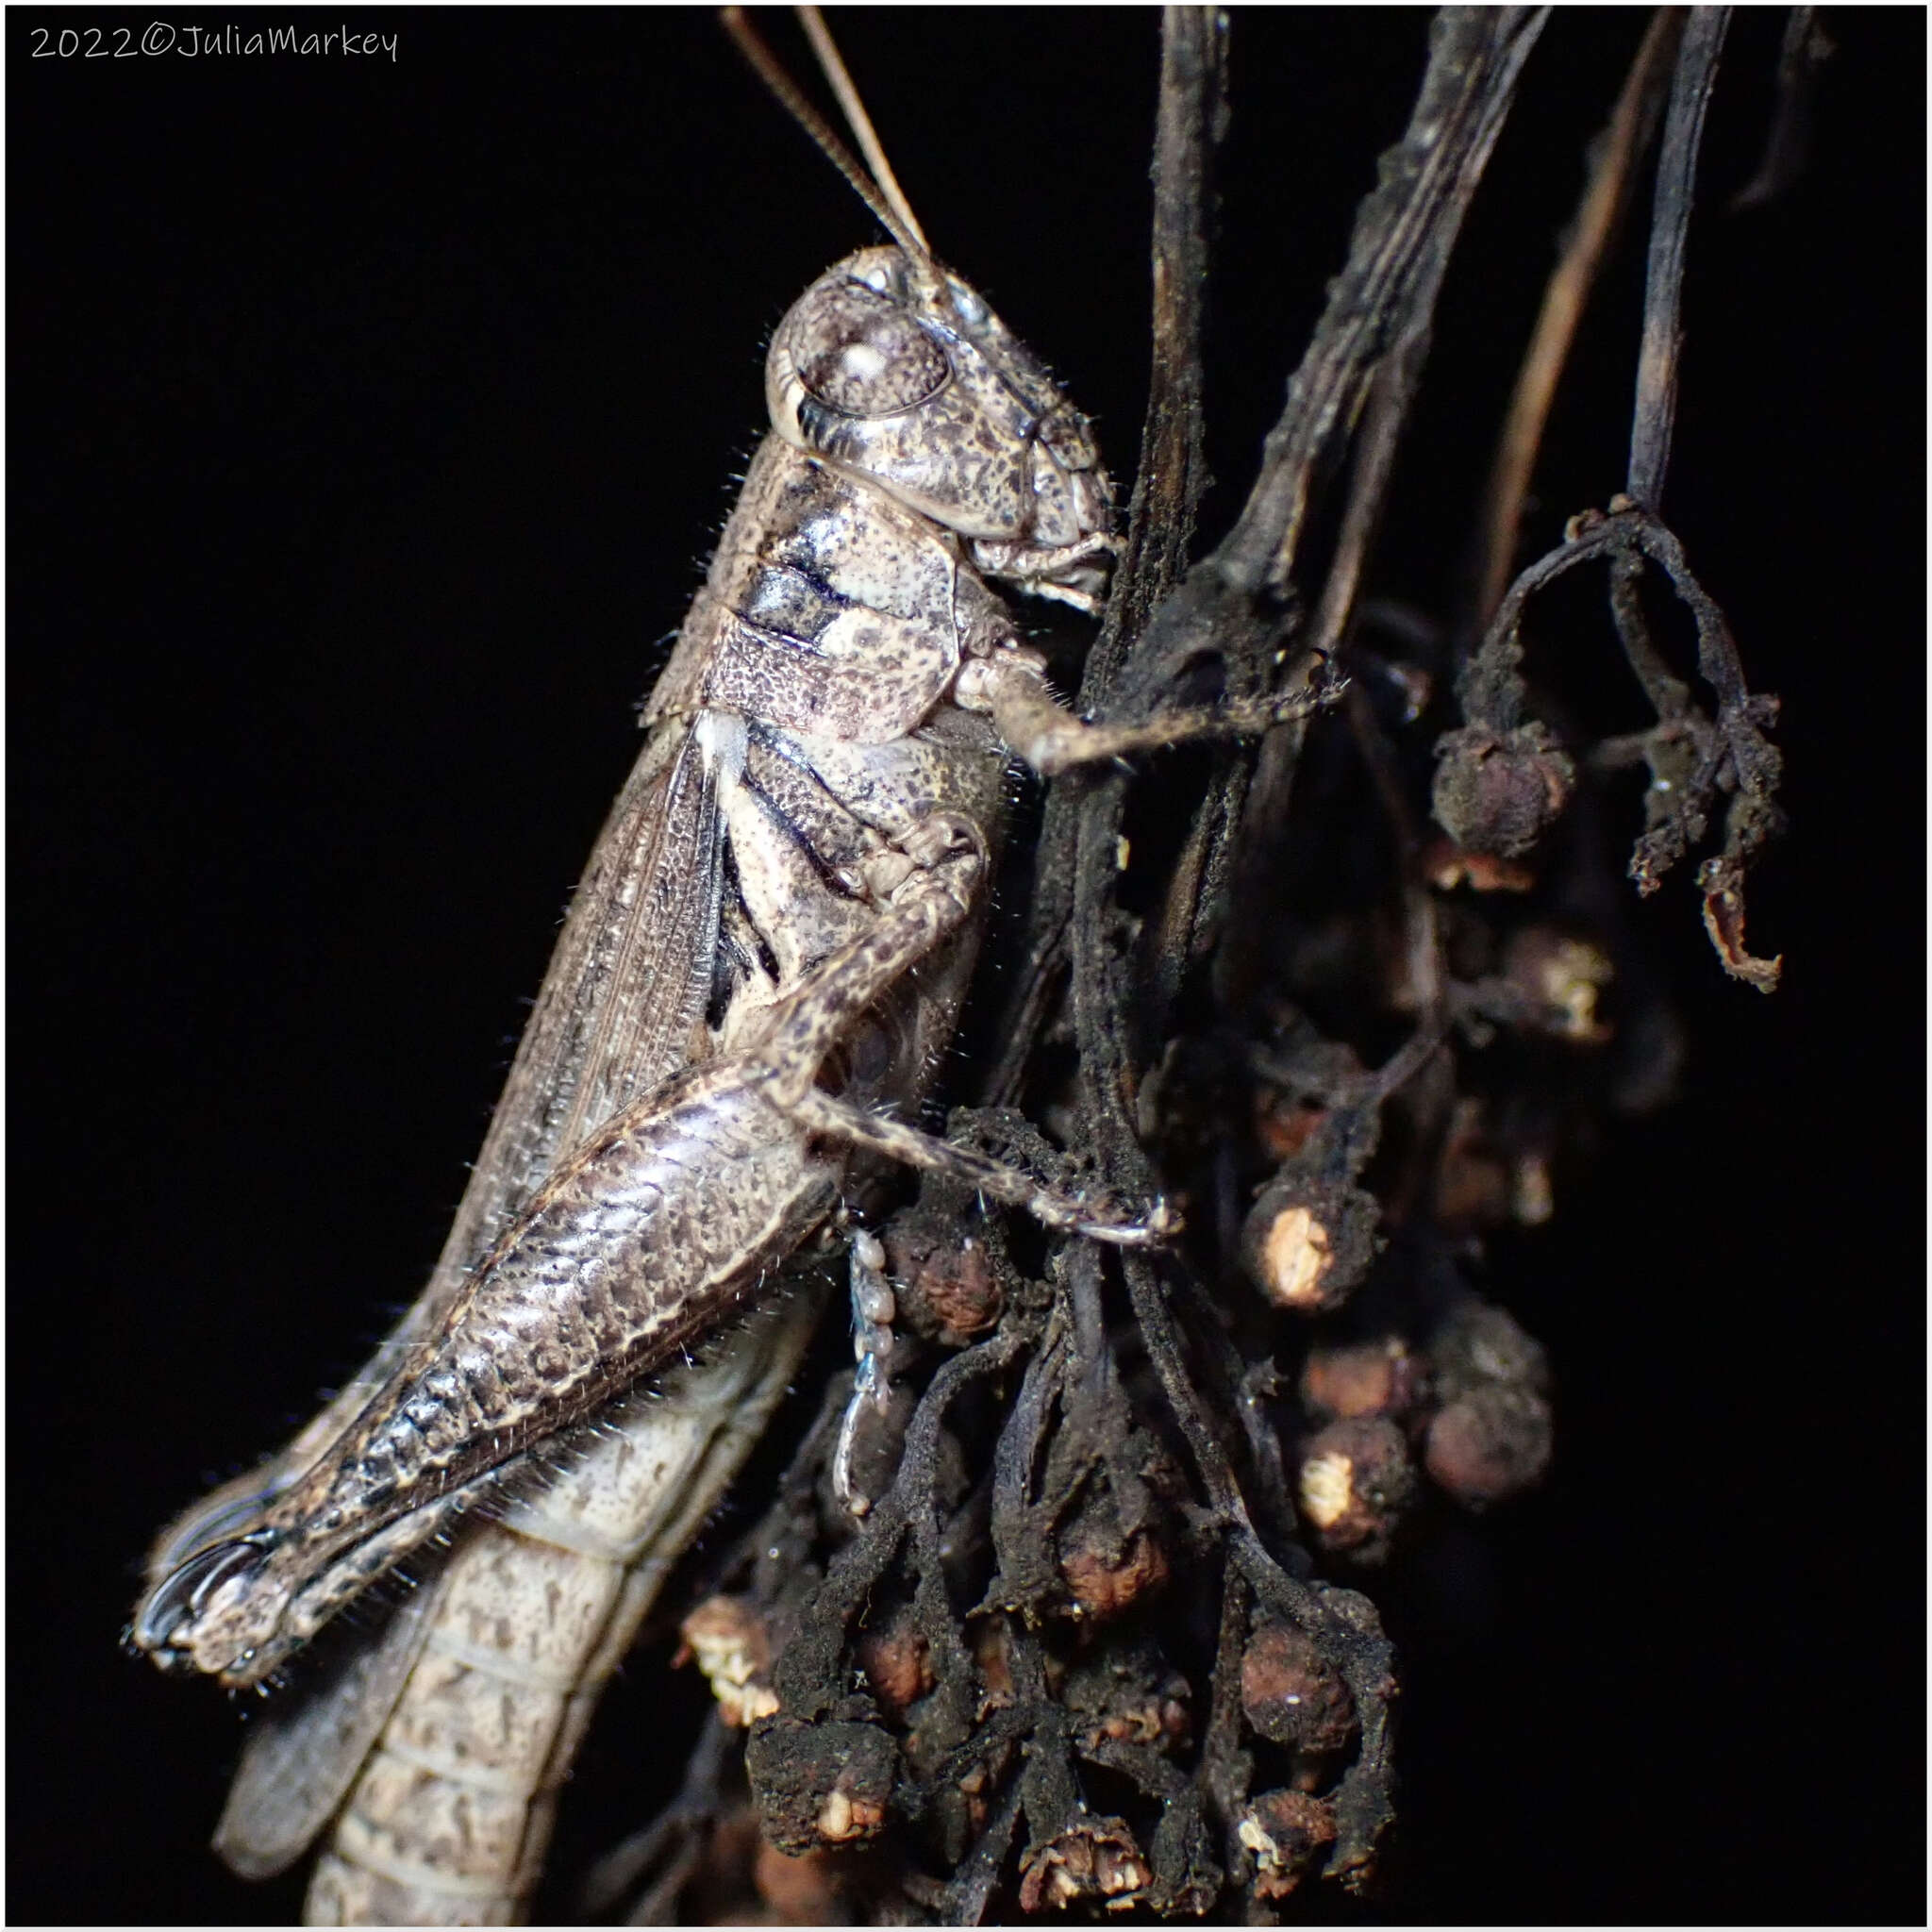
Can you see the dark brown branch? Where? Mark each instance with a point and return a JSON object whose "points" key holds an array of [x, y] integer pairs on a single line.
{"points": [[1265, 809], [1391, 394], [1371, 346], [1233, 605], [1189, 118], [1379, 307], [1403, 237], [1225, 1766], [1669, 697], [1354, 1640], [1656, 414], [965, 1898], [1172, 471]]}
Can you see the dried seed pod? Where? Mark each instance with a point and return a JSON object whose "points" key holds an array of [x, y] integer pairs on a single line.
{"points": [[1291, 1694], [1363, 1378], [1498, 793], [1480, 1343], [1095, 1857], [1565, 976], [1356, 1482], [1306, 1243], [1126, 1692], [1111, 1552], [1108, 1572], [1490, 1444], [1287, 1831], [732, 1646], [947, 1287], [820, 1784], [897, 1663]]}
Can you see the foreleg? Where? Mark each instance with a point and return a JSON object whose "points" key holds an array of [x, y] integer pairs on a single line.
{"points": [[1011, 690]]}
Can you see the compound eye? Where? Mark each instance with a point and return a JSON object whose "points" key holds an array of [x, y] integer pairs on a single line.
{"points": [[863, 356]]}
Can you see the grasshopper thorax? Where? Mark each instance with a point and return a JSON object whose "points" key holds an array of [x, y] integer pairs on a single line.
{"points": [[894, 370]]}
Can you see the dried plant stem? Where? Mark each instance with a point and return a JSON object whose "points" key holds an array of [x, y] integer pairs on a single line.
{"points": [[1606, 195], [1378, 316], [1172, 475], [1654, 419]]}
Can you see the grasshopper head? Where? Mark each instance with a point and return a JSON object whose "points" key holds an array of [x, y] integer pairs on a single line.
{"points": [[892, 370]]}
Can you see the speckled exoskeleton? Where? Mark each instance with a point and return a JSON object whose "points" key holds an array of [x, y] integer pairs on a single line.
{"points": [[728, 1018]]}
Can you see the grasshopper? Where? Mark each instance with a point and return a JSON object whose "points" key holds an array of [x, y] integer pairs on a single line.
{"points": [[767, 952]]}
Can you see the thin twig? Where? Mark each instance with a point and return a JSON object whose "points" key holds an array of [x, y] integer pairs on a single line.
{"points": [[1173, 473], [1403, 238], [1669, 697], [1379, 311], [1656, 414], [1426, 976], [1364, 1799], [1614, 155], [1391, 394], [1729, 753], [972, 1884], [1223, 1768], [679, 1829], [1235, 603]]}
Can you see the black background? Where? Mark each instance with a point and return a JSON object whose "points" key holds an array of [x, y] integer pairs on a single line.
{"points": [[370, 422]]}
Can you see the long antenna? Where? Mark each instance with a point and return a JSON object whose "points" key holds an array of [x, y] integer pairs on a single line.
{"points": [[881, 194], [832, 65]]}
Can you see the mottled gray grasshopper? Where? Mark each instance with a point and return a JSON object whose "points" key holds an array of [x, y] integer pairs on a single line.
{"points": [[730, 1009]]}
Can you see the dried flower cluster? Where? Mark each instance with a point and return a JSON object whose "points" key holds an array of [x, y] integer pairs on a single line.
{"points": [[1101, 1646]]}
